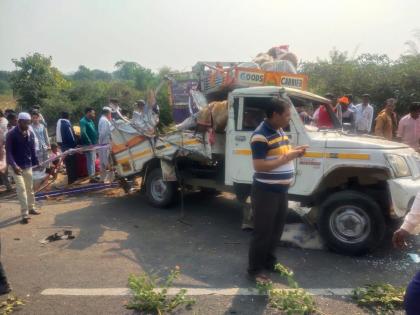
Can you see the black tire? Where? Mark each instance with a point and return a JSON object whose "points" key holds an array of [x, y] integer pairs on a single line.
{"points": [[351, 223], [156, 198]]}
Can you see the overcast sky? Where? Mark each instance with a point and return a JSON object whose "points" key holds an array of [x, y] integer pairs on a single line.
{"points": [[178, 33]]}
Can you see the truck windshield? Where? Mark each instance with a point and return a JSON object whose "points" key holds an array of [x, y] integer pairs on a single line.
{"points": [[316, 115]]}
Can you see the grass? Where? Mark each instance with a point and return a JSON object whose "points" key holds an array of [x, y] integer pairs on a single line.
{"points": [[294, 301], [148, 297], [379, 298], [11, 303]]}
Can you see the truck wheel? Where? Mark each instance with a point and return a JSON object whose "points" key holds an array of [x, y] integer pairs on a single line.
{"points": [[159, 193], [351, 223]]}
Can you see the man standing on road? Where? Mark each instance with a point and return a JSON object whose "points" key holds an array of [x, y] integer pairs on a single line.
{"points": [[364, 115], [411, 222], [104, 128], [384, 126], [409, 127], [274, 170], [43, 140], [89, 136], [21, 157], [67, 139]]}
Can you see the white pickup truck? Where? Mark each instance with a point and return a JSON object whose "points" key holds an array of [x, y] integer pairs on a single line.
{"points": [[354, 185]]}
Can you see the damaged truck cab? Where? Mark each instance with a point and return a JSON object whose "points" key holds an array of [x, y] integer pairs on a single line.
{"points": [[351, 185]]}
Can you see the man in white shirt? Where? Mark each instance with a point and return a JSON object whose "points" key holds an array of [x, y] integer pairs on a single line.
{"points": [[364, 115], [351, 106], [409, 127], [104, 128]]}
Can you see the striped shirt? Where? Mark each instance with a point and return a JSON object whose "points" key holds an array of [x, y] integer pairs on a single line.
{"points": [[268, 144]]}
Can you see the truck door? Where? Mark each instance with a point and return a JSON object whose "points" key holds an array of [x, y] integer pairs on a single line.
{"points": [[245, 114]]}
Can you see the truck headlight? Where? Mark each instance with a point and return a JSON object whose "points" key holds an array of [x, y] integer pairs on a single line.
{"points": [[399, 165]]}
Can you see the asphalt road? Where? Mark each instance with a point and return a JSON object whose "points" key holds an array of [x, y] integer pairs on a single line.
{"points": [[120, 235]]}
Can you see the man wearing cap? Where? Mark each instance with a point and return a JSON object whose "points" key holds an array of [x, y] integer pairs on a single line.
{"points": [[21, 157], [364, 115], [114, 104], [409, 127], [347, 114], [104, 128], [384, 123]]}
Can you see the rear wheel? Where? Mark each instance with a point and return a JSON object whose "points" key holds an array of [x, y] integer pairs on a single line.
{"points": [[159, 193], [351, 223]]}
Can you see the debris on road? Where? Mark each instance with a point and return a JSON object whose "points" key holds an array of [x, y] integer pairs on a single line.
{"points": [[76, 190], [290, 301], [382, 298], [414, 257], [147, 297], [302, 235], [10, 305], [67, 235]]}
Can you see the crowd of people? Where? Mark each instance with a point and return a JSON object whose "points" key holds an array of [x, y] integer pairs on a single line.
{"points": [[360, 118], [26, 148]]}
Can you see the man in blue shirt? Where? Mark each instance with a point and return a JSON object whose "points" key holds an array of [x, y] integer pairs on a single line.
{"points": [[21, 157], [272, 158]]}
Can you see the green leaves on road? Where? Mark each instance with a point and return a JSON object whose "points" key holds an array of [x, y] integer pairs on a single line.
{"points": [[11, 303], [148, 297], [381, 298], [294, 301]]}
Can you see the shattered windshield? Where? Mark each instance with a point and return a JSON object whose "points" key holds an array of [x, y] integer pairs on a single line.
{"points": [[316, 115]]}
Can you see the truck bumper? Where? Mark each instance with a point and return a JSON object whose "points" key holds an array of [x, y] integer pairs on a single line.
{"points": [[402, 191]]}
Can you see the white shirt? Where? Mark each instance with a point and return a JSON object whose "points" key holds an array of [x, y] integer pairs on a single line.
{"points": [[364, 117], [3, 127], [58, 131], [412, 219], [104, 129]]}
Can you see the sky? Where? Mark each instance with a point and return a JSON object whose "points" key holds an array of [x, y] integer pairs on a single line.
{"points": [[178, 33]]}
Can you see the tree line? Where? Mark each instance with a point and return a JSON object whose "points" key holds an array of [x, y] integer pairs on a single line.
{"points": [[37, 81]]}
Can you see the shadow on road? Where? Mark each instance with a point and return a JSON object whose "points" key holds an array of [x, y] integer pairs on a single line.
{"points": [[207, 244]]}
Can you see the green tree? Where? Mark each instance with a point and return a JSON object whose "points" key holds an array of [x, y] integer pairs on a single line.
{"points": [[4, 82], [82, 73], [126, 70], [35, 80]]}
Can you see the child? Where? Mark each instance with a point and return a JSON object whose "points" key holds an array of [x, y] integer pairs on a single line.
{"points": [[56, 164]]}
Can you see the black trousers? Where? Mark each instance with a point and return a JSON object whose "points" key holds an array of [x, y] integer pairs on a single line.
{"points": [[3, 279], [70, 162], [269, 211]]}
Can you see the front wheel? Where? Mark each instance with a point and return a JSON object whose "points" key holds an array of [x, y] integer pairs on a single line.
{"points": [[351, 223], [159, 193]]}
